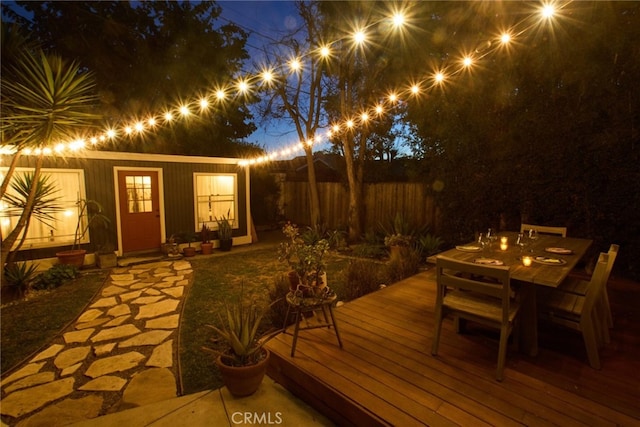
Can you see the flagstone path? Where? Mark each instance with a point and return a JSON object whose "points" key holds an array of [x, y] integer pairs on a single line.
{"points": [[120, 353]]}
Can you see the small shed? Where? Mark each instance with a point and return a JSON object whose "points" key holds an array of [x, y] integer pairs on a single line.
{"points": [[148, 199]]}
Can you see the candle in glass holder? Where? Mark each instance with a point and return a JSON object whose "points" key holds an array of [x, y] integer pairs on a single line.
{"points": [[504, 240], [526, 261], [503, 246]]}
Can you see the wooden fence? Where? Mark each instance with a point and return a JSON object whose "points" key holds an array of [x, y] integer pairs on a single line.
{"points": [[381, 203]]}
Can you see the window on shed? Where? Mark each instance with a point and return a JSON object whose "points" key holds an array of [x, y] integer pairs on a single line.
{"points": [[58, 227], [216, 196]]}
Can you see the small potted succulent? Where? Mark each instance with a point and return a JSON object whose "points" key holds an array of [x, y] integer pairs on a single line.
{"points": [[225, 231], [206, 246], [189, 237]]}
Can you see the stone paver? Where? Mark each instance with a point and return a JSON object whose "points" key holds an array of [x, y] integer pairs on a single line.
{"points": [[122, 346]]}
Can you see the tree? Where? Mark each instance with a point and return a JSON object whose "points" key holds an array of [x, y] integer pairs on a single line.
{"points": [[148, 57], [44, 100], [298, 93], [359, 73]]}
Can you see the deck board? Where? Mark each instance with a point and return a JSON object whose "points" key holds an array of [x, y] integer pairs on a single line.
{"points": [[386, 375]]}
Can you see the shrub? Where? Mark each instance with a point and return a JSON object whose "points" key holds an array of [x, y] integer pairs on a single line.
{"points": [[363, 277], [278, 302], [402, 267], [19, 276], [56, 276]]}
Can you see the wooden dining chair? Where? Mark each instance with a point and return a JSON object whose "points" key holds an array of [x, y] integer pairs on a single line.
{"points": [[478, 293], [579, 312], [544, 229], [579, 286]]}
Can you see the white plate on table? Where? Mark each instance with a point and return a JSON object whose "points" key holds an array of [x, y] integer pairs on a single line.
{"points": [[559, 251], [469, 248], [549, 260], [488, 261]]}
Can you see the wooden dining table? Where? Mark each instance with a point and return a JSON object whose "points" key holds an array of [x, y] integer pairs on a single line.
{"points": [[548, 269]]}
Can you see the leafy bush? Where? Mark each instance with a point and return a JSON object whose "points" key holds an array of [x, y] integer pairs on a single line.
{"points": [[278, 302], [363, 277], [372, 246], [56, 276], [19, 276], [404, 266]]}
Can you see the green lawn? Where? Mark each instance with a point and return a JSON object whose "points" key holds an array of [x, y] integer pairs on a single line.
{"points": [[218, 279], [29, 325]]}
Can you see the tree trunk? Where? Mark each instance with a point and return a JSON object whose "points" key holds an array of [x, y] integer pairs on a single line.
{"points": [[314, 199], [7, 243]]}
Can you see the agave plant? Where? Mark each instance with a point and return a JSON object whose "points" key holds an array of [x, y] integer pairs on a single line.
{"points": [[240, 332]]}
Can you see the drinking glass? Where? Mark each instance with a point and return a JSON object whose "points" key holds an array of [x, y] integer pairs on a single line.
{"points": [[521, 242]]}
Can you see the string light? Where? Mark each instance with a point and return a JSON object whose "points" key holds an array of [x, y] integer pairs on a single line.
{"points": [[267, 76]]}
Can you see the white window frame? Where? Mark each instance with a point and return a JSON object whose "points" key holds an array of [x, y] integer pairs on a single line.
{"points": [[39, 235], [210, 221]]}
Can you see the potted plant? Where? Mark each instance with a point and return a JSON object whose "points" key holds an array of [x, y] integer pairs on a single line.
{"points": [[205, 234], [225, 232], [243, 360], [92, 211], [399, 237], [170, 247], [189, 237], [305, 256]]}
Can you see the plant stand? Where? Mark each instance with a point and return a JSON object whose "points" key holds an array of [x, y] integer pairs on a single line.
{"points": [[299, 305]]}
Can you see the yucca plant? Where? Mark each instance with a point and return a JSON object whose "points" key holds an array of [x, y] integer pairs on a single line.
{"points": [[44, 99]]}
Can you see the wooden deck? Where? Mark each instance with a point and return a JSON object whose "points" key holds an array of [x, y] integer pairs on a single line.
{"points": [[385, 374]]}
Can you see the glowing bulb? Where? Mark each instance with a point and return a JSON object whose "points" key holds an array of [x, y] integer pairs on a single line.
{"points": [[168, 116], [505, 38], [393, 97], [379, 109], [324, 51], [336, 128], [59, 148], [359, 37], [350, 124], [184, 110], [111, 133], [93, 140], [220, 94], [139, 127], [310, 142], [548, 11], [295, 65], [46, 151], [439, 77], [467, 61], [415, 89], [243, 86], [364, 117], [128, 130], [267, 76], [151, 122], [398, 19], [204, 104]]}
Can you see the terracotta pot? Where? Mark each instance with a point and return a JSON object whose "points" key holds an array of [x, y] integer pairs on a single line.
{"points": [[189, 251], [243, 380], [294, 280], [72, 257], [206, 248]]}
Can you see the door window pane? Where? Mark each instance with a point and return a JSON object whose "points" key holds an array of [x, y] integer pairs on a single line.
{"points": [[139, 194]]}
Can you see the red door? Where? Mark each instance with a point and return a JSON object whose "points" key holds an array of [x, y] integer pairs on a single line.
{"points": [[139, 210]]}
